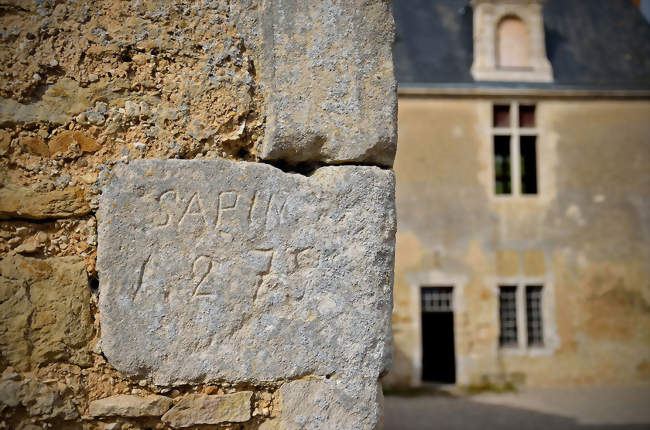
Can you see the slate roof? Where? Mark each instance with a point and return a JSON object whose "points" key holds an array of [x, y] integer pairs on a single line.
{"points": [[592, 44]]}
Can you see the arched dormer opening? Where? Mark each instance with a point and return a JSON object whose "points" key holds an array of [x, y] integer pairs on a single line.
{"points": [[512, 44], [509, 41]]}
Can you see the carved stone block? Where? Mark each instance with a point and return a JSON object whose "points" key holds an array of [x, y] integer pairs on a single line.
{"points": [[219, 270]]}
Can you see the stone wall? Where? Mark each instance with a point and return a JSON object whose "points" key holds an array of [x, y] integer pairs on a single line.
{"points": [[196, 213]]}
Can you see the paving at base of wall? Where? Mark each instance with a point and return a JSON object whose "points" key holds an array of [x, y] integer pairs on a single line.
{"points": [[602, 407]]}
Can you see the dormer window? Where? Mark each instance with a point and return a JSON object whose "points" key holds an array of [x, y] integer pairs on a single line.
{"points": [[512, 44], [509, 41]]}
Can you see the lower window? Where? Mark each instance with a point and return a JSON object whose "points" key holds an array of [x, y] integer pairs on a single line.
{"points": [[511, 310]]}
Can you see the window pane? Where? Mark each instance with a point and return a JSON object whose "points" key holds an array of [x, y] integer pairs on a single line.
{"points": [[535, 333], [436, 299], [501, 115], [507, 315], [527, 116], [502, 181], [528, 152]]}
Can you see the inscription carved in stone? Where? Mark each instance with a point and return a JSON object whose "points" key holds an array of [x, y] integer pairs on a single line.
{"points": [[219, 270]]}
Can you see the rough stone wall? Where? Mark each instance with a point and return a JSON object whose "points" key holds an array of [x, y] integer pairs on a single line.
{"points": [[88, 90], [584, 237]]}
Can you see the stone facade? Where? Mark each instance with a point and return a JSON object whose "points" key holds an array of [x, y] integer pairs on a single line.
{"points": [[154, 272], [583, 237]]}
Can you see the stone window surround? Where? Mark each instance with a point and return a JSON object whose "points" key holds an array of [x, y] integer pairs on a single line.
{"points": [[551, 340], [515, 132], [417, 280], [488, 14]]}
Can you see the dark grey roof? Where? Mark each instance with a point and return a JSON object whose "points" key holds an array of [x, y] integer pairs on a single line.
{"points": [[595, 44]]}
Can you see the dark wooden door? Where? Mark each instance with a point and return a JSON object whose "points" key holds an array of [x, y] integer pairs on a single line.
{"points": [[438, 352]]}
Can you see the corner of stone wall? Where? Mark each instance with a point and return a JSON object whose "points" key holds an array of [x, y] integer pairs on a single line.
{"points": [[165, 262]]}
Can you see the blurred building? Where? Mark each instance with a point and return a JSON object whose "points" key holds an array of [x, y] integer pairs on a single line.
{"points": [[523, 192]]}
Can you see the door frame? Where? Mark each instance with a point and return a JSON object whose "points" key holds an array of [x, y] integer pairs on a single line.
{"points": [[432, 279], [438, 323]]}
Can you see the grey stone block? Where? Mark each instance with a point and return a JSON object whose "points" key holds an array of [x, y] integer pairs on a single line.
{"points": [[330, 404], [218, 270], [327, 73]]}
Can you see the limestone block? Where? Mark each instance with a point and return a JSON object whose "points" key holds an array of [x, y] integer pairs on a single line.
{"points": [[33, 145], [195, 409], [25, 202], [63, 142], [5, 142], [534, 262], [325, 404], [9, 393], [59, 103], [46, 401], [44, 311], [327, 72], [218, 270], [126, 405]]}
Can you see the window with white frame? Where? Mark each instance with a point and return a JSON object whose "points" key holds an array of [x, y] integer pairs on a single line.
{"points": [[514, 147], [510, 314]]}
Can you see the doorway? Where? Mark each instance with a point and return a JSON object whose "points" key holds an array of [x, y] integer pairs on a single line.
{"points": [[438, 352]]}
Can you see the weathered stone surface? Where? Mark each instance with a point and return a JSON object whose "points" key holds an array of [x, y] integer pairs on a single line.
{"points": [[9, 393], [64, 141], [326, 404], [126, 405], [59, 102], [25, 202], [220, 270], [195, 409], [44, 311], [327, 71], [5, 142], [46, 401], [34, 145]]}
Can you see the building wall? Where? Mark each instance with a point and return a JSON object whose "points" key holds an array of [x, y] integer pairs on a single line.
{"points": [[585, 236]]}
